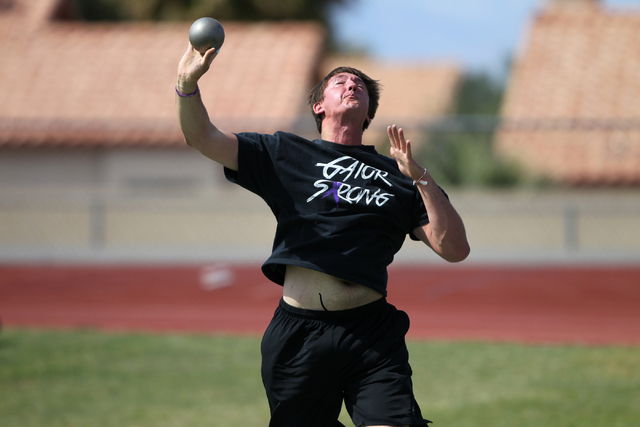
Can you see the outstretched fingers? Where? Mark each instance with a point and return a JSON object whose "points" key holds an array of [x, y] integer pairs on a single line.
{"points": [[394, 137], [400, 146], [400, 150]]}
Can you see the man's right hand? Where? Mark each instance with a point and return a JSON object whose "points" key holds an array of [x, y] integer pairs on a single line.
{"points": [[192, 66]]}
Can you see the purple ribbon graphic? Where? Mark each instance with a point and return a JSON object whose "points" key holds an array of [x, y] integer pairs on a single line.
{"points": [[334, 191]]}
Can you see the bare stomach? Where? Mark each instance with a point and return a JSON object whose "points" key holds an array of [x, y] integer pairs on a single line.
{"points": [[313, 290]]}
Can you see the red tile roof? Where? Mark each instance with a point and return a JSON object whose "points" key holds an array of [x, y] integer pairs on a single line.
{"points": [[578, 74], [72, 83]]}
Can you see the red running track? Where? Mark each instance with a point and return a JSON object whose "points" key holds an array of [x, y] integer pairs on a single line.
{"points": [[568, 305]]}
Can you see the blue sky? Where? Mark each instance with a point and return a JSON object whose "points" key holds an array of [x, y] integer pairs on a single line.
{"points": [[476, 34]]}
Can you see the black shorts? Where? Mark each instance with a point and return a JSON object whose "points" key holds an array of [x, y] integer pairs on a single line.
{"points": [[313, 360]]}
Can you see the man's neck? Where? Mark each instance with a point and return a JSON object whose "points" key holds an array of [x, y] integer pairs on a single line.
{"points": [[345, 135]]}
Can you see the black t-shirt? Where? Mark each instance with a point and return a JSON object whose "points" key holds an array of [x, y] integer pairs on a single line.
{"points": [[342, 210]]}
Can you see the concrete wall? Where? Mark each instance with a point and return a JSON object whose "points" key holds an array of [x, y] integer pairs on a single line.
{"points": [[229, 223], [115, 170]]}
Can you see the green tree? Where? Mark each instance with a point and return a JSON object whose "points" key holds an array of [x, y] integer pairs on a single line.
{"points": [[459, 152], [479, 94]]}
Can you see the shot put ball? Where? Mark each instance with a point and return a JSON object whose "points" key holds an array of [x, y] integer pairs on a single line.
{"points": [[206, 33]]}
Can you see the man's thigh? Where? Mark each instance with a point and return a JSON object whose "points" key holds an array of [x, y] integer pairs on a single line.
{"points": [[298, 374]]}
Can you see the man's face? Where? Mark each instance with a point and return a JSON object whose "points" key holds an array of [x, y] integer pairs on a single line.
{"points": [[345, 93]]}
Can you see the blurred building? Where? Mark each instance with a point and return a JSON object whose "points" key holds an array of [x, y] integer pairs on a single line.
{"points": [[91, 105], [572, 106]]}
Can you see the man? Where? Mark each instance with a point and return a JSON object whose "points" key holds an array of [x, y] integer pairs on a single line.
{"points": [[343, 211]]}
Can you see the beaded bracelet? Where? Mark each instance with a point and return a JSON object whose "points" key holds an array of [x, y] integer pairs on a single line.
{"points": [[188, 95]]}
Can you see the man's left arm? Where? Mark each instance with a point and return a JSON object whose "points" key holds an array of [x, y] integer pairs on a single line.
{"points": [[444, 232]]}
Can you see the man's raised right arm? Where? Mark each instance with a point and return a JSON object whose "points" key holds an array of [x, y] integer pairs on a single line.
{"points": [[199, 132]]}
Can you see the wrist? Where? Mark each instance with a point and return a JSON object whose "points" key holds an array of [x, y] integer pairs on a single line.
{"points": [[423, 179], [186, 87], [187, 95]]}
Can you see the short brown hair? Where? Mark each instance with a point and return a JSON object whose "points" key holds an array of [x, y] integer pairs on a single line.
{"points": [[373, 89]]}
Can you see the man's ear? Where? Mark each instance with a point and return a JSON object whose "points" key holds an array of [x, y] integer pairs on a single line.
{"points": [[318, 108]]}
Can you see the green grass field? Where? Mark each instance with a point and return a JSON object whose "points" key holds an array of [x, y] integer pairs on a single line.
{"points": [[90, 378]]}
